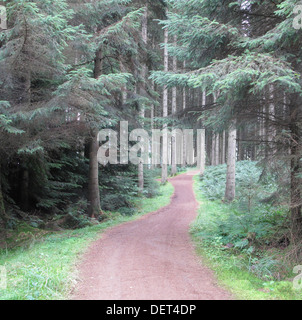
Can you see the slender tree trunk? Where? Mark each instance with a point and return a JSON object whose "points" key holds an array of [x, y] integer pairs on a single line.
{"points": [[217, 149], [152, 115], [141, 181], [263, 130], [202, 147], [272, 113], [184, 106], [215, 143], [94, 208], [142, 92], [124, 89], [266, 129], [213, 150], [165, 114], [231, 168], [98, 63], [184, 93], [223, 148], [174, 110]]}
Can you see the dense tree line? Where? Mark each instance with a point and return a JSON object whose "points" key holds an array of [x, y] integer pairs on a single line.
{"points": [[70, 68], [244, 56]]}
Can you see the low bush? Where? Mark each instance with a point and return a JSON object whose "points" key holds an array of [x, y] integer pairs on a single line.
{"points": [[248, 234]]}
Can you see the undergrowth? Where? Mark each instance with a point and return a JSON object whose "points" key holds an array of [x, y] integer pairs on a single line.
{"points": [[245, 241]]}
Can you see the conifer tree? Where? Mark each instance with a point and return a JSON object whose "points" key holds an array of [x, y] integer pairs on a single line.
{"points": [[243, 50], [61, 77]]}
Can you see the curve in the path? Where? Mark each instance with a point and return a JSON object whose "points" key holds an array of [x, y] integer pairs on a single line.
{"points": [[152, 258]]}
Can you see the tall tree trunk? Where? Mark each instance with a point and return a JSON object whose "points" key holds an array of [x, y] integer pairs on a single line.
{"points": [[124, 89], [217, 149], [152, 115], [266, 129], [231, 168], [174, 110], [223, 147], [263, 129], [272, 114], [142, 92], [164, 176], [184, 94], [215, 142], [94, 208], [141, 181], [202, 164], [98, 63], [184, 106], [213, 149], [202, 146]]}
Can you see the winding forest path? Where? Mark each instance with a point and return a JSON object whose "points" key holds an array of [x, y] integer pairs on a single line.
{"points": [[152, 258]]}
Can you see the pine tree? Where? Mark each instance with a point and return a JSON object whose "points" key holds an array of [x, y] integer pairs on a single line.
{"points": [[32, 62], [60, 73], [243, 50], [111, 42]]}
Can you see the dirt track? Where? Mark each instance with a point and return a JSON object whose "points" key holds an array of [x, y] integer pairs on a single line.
{"points": [[150, 259]]}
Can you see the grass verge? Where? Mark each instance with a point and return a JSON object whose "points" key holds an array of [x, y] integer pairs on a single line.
{"points": [[231, 270], [44, 268]]}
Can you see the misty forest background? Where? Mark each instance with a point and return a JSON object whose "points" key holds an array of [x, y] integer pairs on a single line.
{"points": [[70, 68]]}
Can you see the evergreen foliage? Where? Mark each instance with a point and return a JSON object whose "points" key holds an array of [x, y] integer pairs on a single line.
{"points": [[246, 55], [64, 66], [70, 68]]}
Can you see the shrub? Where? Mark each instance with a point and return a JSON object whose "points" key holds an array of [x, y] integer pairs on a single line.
{"points": [[247, 225]]}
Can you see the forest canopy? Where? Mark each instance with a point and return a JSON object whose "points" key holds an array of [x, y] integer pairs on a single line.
{"points": [[71, 68]]}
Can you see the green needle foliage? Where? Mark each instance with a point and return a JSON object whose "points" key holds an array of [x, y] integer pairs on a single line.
{"points": [[247, 54], [64, 67]]}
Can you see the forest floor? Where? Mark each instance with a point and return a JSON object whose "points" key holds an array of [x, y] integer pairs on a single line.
{"points": [[152, 258]]}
